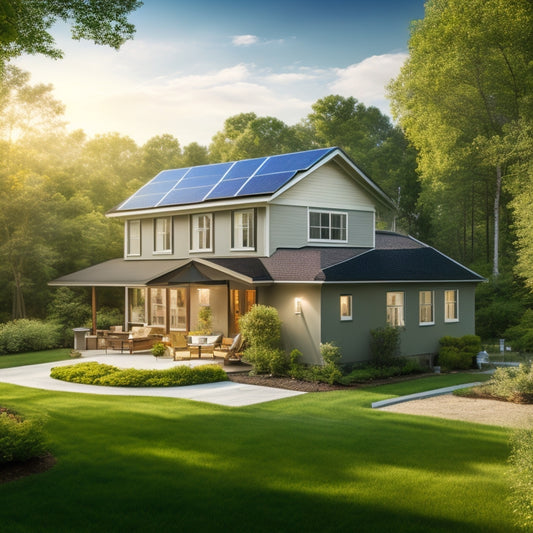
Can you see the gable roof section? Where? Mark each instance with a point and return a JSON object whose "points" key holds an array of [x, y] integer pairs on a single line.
{"points": [[237, 180]]}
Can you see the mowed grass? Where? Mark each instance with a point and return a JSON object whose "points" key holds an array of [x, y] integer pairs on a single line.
{"points": [[34, 358], [321, 462]]}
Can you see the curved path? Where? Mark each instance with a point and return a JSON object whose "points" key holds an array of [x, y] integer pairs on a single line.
{"points": [[222, 393]]}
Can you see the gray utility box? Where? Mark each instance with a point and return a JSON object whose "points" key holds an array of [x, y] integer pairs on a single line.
{"points": [[80, 335]]}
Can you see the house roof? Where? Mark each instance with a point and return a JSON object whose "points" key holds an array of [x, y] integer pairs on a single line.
{"points": [[396, 258], [235, 181]]}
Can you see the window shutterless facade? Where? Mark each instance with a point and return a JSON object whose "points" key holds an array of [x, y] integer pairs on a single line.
{"points": [[345, 302], [163, 235], [426, 315], [395, 309], [133, 236], [202, 233], [327, 226], [243, 230], [451, 305]]}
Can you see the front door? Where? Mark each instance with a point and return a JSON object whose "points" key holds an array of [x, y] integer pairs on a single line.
{"points": [[240, 303]]}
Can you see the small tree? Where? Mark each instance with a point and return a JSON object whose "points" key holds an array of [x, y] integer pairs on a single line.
{"points": [[205, 320], [261, 329]]}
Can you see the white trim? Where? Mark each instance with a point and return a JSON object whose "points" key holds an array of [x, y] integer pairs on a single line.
{"points": [[329, 212], [127, 238], [165, 251], [194, 233], [256, 201]]}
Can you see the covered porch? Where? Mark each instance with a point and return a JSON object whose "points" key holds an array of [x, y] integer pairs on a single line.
{"points": [[170, 295]]}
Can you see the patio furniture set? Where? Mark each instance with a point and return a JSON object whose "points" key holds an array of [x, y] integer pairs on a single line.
{"points": [[179, 345]]}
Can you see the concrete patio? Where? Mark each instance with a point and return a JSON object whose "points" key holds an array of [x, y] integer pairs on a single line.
{"points": [[225, 393]]}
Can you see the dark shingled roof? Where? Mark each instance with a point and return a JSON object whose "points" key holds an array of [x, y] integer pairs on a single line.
{"points": [[416, 264], [395, 258]]}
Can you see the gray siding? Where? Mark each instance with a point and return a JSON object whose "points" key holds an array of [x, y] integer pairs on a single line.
{"points": [[181, 237], [289, 227], [298, 331], [369, 312]]}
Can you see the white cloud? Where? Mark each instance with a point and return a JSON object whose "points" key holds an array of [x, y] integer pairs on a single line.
{"points": [[244, 40], [368, 79]]}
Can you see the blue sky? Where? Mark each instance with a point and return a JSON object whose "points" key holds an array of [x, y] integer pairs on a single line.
{"points": [[193, 64]]}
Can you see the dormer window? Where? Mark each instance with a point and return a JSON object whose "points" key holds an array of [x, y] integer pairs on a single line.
{"points": [[243, 223], [327, 226], [163, 235], [202, 233]]}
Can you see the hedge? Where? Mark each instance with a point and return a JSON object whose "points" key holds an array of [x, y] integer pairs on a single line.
{"points": [[100, 374]]}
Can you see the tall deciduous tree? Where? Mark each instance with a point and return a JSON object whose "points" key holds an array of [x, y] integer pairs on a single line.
{"points": [[469, 73], [25, 24]]}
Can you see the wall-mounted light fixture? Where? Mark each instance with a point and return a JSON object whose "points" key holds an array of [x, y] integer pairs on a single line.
{"points": [[297, 306], [203, 297]]}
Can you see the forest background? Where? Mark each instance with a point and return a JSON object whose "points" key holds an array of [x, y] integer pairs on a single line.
{"points": [[458, 159]]}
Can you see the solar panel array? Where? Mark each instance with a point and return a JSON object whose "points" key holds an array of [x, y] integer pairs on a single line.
{"points": [[250, 177]]}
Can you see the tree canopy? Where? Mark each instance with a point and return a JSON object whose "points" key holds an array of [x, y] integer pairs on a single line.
{"points": [[467, 80], [25, 24]]}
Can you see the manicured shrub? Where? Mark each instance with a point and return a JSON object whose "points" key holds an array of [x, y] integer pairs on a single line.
{"points": [[521, 478], [261, 330], [99, 374], [370, 373], [384, 346], [459, 353], [20, 439], [24, 335], [261, 326]]}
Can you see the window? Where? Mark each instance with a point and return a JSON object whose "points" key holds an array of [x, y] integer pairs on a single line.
{"points": [[451, 310], [163, 235], [395, 311], [202, 233], [158, 307], [425, 307], [134, 237], [346, 306], [243, 230], [178, 309], [327, 226]]}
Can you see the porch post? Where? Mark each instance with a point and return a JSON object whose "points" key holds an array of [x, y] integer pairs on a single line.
{"points": [[93, 306], [126, 309]]}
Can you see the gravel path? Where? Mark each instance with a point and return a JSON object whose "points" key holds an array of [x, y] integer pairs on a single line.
{"points": [[482, 411]]}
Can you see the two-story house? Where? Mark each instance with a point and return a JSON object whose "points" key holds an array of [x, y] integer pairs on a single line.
{"points": [[295, 231]]}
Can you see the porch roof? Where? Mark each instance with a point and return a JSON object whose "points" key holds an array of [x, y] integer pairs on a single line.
{"points": [[140, 273]]}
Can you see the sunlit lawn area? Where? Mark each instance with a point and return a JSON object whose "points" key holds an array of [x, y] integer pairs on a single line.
{"points": [[33, 358], [316, 462]]}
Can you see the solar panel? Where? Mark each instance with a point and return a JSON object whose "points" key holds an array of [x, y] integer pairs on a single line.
{"points": [[263, 175]]}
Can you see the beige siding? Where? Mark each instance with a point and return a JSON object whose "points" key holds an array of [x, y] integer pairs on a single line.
{"points": [[330, 186]]}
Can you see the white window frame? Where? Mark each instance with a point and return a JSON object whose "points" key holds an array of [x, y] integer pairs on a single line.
{"points": [[200, 233], [329, 226], [163, 235], [240, 229], [396, 311], [129, 241], [345, 307], [423, 305], [454, 303]]}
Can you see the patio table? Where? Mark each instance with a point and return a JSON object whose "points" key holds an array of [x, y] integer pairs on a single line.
{"points": [[200, 345]]}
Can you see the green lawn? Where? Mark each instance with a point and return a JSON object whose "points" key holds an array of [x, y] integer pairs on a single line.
{"points": [[34, 358], [318, 462]]}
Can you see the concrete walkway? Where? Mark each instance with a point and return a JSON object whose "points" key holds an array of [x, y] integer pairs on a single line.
{"points": [[422, 395], [225, 393]]}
